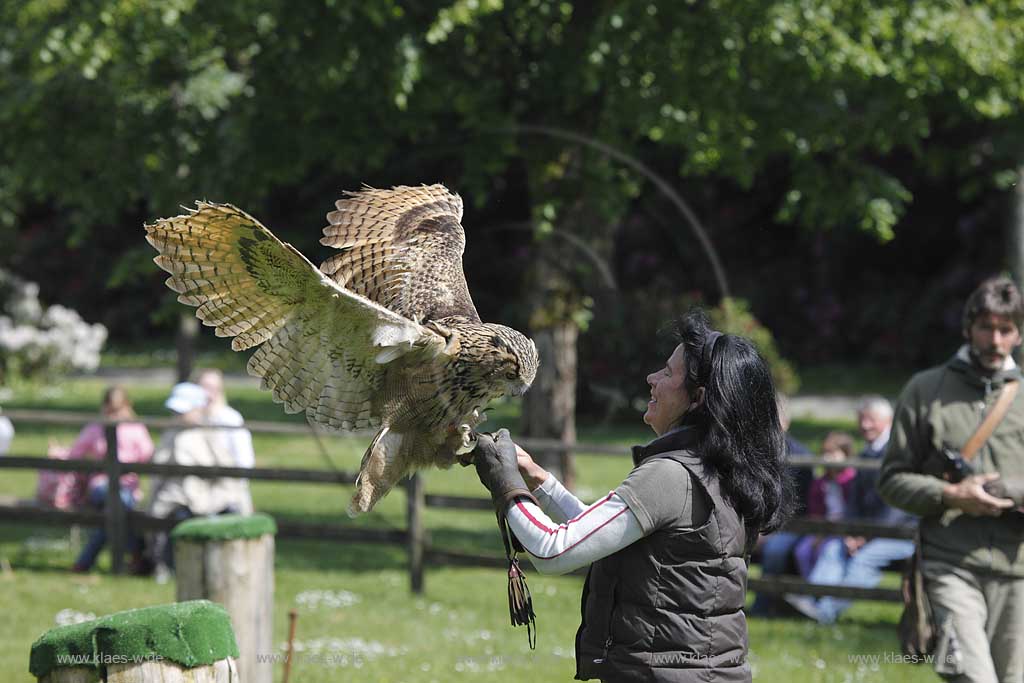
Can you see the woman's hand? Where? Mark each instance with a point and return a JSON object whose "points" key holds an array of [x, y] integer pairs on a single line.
{"points": [[533, 474], [853, 544]]}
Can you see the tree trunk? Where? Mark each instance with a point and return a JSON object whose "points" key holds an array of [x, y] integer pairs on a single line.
{"points": [[549, 407], [1017, 230], [188, 332]]}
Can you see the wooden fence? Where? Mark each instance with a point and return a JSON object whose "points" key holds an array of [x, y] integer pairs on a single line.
{"points": [[117, 519]]}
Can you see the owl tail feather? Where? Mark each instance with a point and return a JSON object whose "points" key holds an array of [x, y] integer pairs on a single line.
{"points": [[378, 472]]}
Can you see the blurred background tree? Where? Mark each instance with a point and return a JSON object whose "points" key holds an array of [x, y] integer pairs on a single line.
{"points": [[851, 161]]}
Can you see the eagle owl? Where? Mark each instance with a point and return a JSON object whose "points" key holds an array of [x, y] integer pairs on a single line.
{"points": [[384, 335]]}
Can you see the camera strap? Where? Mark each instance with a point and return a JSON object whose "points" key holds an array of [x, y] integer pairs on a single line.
{"points": [[991, 421]]}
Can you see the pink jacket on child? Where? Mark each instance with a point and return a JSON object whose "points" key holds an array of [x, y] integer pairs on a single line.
{"points": [[133, 445], [816, 494]]}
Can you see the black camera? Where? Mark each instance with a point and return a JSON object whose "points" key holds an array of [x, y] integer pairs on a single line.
{"points": [[953, 466]]}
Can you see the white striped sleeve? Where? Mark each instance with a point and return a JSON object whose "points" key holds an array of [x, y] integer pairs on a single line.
{"points": [[556, 501], [598, 531]]}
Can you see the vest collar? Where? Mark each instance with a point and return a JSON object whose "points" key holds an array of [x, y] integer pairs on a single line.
{"points": [[678, 439]]}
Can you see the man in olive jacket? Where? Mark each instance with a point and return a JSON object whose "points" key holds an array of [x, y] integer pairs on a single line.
{"points": [[972, 541]]}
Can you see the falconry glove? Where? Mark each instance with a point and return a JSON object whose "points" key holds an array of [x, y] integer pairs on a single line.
{"points": [[498, 469], [497, 466]]}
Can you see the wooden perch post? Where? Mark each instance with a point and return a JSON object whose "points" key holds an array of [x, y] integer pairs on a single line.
{"points": [[190, 642], [229, 559]]}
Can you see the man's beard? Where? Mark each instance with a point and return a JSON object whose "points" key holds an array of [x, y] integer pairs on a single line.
{"points": [[978, 356]]}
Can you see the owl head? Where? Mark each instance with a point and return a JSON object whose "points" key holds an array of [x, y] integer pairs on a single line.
{"points": [[512, 359]]}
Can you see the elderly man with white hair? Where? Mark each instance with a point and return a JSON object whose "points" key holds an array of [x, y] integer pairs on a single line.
{"points": [[854, 560]]}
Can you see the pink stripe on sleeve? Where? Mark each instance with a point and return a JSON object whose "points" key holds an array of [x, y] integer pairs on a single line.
{"points": [[526, 512]]}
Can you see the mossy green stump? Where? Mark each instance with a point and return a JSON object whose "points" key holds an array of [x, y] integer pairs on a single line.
{"points": [[187, 642], [230, 559]]}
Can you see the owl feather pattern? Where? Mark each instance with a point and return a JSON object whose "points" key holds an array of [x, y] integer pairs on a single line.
{"points": [[383, 335]]}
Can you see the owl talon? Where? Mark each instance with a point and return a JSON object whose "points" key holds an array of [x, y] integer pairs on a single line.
{"points": [[465, 439]]}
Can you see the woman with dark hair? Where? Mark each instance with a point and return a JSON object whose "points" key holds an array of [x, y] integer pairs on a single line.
{"points": [[664, 597]]}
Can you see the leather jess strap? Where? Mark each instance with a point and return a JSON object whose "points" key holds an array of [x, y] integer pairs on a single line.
{"points": [[991, 421], [520, 602]]}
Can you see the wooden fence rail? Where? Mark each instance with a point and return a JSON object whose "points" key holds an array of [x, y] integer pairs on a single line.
{"points": [[116, 518]]}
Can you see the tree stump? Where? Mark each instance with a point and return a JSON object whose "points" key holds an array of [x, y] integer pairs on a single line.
{"points": [[229, 559], [188, 642]]}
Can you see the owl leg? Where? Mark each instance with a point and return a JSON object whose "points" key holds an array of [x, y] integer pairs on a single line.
{"points": [[463, 438], [475, 418], [381, 468], [451, 337]]}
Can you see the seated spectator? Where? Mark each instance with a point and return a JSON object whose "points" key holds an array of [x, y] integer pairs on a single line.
{"points": [[90, 488], [828, 496], [236, 439], [853, 560], [181, 497], [6, 434], [776, 549]]}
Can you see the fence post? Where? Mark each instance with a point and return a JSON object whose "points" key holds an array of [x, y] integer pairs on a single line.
{"points": [[185, 343], [229, 559], [414, 514], [185, 642], [114, 510]]}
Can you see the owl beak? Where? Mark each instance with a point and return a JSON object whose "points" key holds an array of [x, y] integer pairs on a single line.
{"points": [[519, 388]]}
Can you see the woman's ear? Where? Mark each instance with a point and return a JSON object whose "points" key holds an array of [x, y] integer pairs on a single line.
{"points": [[698, 399]]}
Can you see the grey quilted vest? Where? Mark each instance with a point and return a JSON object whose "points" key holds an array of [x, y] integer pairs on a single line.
{"points": [[670, 606]]}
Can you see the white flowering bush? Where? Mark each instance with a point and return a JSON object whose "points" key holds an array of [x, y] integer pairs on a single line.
{"points": [[40, 342]]}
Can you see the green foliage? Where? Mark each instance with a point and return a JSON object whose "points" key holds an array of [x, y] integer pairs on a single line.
{"points": [[114, 112], [632, 337], [734, 317], [174, 100]]}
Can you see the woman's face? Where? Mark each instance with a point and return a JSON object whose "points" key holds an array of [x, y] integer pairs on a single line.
{"points": [[833, 455], [117, 406], [669, 400]]}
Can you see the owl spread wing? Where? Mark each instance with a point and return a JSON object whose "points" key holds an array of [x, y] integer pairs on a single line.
{"points": [[403, 249], [322, 348]]}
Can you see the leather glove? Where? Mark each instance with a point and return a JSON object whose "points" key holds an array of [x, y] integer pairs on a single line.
{"points": [[1012, 488], [496, 465]]}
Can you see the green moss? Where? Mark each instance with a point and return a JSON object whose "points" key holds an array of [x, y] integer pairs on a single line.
{"points": [[192, 634], [225, 527]]}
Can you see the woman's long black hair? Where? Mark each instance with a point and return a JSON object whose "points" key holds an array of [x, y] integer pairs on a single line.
{"points": [[743, 439]]}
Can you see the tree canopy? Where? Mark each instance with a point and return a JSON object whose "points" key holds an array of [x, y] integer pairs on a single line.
{"points": [[117, 111]]}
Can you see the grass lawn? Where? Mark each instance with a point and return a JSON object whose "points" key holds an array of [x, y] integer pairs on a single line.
{"points": [[357, 618]]}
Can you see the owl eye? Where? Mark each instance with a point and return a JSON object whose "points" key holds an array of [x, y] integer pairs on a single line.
{"points": [[510, 375]]}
